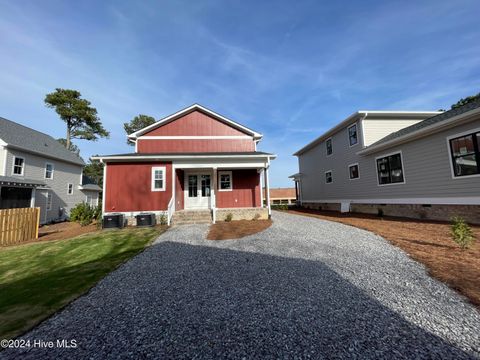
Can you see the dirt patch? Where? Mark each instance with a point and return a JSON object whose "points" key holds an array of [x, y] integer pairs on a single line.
{"points": [[428, 242], [237, 229], [63, 230]]}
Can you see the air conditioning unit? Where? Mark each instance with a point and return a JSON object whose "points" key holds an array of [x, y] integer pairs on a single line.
{"points": [[113, 221], [147, 219]]}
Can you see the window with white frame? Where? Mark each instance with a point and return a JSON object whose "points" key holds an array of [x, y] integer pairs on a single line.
{"points": [[225, 181], [49, 201], [18, 165], [89, 200], [328, 177], [353, 171], [329, 147], [465, 154], [390, 169], [69, 189], [48, 171], [158, 178], [352, 135]]}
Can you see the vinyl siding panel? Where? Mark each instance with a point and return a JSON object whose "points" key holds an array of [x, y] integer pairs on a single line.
{"points": [[64, 173], [3, 153], [376, 129], [426, 164]]}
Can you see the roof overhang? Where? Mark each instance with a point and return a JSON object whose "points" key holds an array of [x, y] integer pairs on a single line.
{"points": [[428, 130], [8, 181], [363, 114], [90, 187], [189, 109], [169, 157]]}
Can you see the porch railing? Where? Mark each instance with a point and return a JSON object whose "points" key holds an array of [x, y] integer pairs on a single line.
{"points": [[170, 211]]}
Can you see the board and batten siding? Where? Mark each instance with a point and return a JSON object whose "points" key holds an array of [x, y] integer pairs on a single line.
{"points": [[426, 164], [376, 129], [64, 173]]}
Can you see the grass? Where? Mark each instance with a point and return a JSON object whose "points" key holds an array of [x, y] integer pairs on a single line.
{"points": [[36, 280]]}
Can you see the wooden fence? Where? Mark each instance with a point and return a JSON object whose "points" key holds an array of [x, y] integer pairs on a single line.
{"points": [[18, 225]]}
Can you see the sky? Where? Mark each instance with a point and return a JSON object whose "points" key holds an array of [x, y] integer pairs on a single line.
{"points": [[288, 69]]}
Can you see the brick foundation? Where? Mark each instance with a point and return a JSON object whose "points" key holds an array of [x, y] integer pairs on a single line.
{"points": [[471, 213]]}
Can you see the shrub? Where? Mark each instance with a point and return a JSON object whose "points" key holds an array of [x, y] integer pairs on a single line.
{"points": [[279, 207], [256, 217], [163, 219], [84, 214], [229, 217], [462, 233]]}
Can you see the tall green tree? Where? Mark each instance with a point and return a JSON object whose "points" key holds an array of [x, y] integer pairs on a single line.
{"points": [[137, 123], [94, 170], [465, 101], [81, 118], [73, 148]]}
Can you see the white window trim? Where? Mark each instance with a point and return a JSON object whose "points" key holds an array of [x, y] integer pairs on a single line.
{"points": [[13, 166], [45, 173], [403, 169], [91, 200], [164, 177], [231, 180], [449, 154], [331, 175], [358, 167], [68, 188], [326, 147], [348, 134], [49, 208]]}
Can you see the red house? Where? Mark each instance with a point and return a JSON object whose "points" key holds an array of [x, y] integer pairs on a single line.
{"points": [[194, 159]]}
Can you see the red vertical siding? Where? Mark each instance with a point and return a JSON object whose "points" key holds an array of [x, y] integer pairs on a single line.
{"points": [[245, 192], [179, 186], [194, 145], [195, 123], [128, 188]]}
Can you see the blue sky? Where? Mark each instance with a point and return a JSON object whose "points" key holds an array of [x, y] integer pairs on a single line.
{"points": [[289, 69]]}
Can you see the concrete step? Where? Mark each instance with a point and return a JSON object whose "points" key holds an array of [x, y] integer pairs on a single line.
{"points": [[185, 217]]}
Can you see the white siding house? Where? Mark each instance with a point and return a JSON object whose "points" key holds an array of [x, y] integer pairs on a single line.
{"points": [[408, 170]]}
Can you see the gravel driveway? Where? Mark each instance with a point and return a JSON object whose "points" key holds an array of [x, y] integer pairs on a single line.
{"points": [[304, 288]]}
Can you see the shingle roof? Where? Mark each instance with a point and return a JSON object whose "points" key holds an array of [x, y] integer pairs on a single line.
{"points": [[20, 180], [30, 140], [430, 121]]}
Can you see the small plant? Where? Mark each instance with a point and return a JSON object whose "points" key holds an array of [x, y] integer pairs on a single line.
{"points": [[462, 233], [279, 207], [84, 214], [163, 219], [256, 217], [229, 217]]}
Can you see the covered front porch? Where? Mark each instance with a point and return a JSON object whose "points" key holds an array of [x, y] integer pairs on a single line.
{"points": [[221, 187], [17, 192]]}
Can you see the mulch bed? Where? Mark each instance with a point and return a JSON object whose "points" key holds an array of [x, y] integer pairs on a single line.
{"points": [[63, 230], [428, 242], [236, 229]]}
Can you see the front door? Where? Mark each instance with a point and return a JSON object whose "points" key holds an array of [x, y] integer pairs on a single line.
{"points": [[197, 190]]}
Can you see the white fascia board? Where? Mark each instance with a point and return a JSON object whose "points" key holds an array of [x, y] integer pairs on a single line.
{"points": [[174, 157], [189, 109], [456, 120], [471, 200]]}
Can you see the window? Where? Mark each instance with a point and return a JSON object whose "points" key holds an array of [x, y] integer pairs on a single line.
{"points": [[390, 169], [352, 135], [225, 180], [329, 147], [353, 171], [18, 166], [465, 153], [69, 189], [48, 171], [158, 178], [49, 201], [328, 177]]}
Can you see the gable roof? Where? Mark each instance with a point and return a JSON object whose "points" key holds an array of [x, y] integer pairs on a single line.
{"points": [[24, 138], [359, 115], [196, 107], [425, 126]]}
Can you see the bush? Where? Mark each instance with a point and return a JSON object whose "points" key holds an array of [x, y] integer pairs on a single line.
{"points": [[163, 219], [462, 233], [229, 217], [84, 214], [279, 207]]}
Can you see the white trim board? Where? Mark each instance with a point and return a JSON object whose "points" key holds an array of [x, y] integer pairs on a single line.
{"points": [[472, 200], [199, 137], [134, 213]]}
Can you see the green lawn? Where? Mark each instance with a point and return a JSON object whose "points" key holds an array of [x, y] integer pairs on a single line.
{"points": [[36, 280]]}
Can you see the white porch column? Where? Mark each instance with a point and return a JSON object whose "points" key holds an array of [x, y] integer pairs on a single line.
{"points": [[32, 199], [267, 191], [262, 185], [213, 195]]}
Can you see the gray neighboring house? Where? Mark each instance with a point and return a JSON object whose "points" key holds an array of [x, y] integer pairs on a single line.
{"points": [[413, 164], [37, 171]]}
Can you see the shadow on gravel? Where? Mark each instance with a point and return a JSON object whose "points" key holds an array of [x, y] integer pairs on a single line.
{"points": [[182, 301]]}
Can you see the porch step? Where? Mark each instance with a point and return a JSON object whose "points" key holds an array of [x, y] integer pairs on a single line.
{"points": [[185, 217]]}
